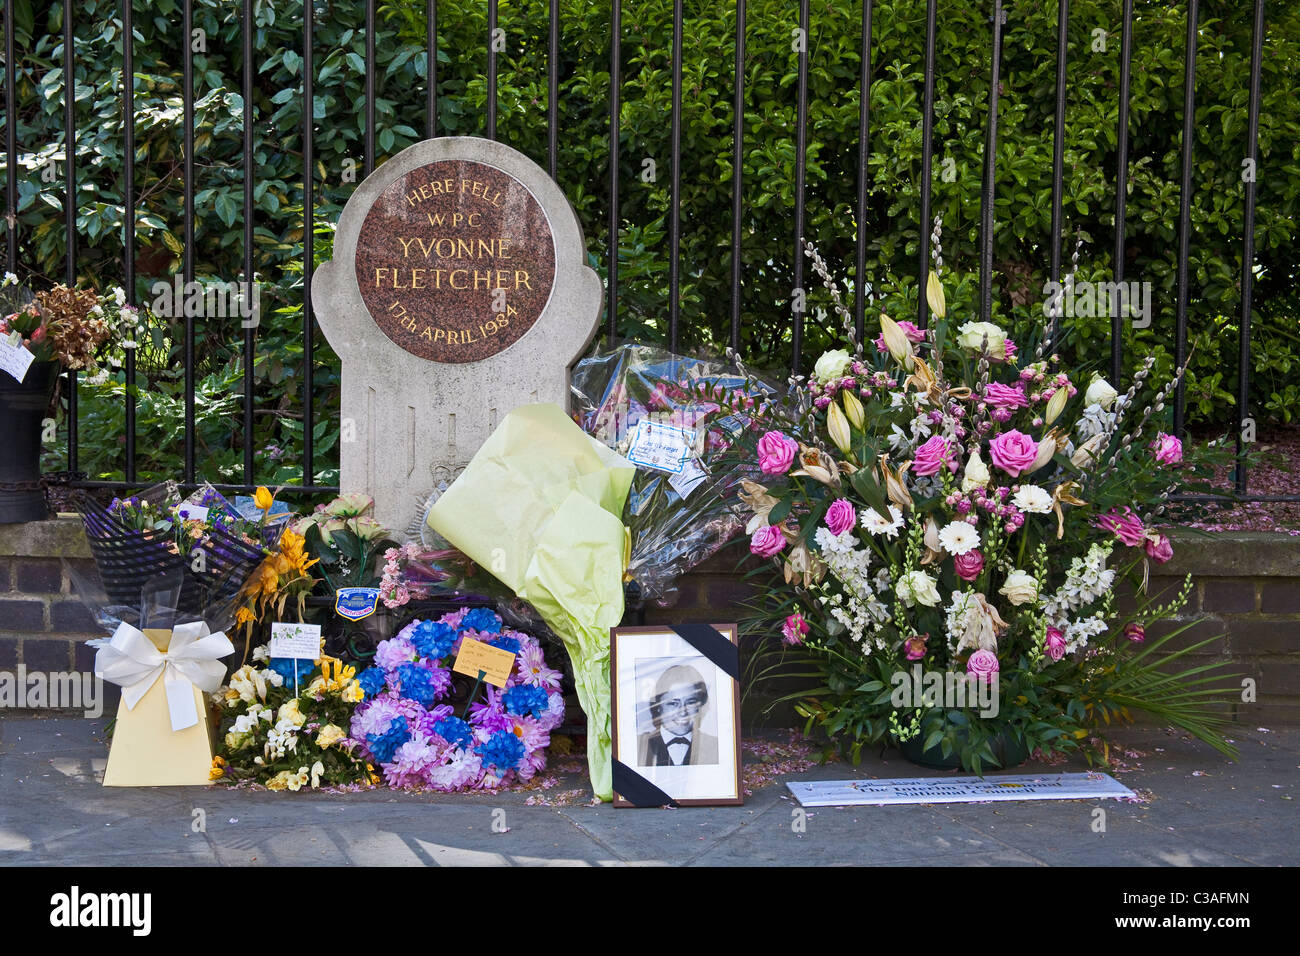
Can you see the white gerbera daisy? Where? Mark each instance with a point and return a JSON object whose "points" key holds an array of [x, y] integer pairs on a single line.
{"points": [[958, 537], [1032, 498], [873, 522]]}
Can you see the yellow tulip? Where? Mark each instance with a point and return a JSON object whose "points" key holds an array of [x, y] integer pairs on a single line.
{"points": [[263, 499], [838, 426]]}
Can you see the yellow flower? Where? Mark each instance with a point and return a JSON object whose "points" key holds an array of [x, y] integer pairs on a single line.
{"points": [[353, 694], [280, 781], [329, 735], [291, 713], [263, 499], [218, 769]]}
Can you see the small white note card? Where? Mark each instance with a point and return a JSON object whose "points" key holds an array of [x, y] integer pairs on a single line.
{"points": [[660, 446], [15, 361], [301, 641]]}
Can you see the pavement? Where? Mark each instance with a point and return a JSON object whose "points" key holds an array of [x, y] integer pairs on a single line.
{"points": [[1194, 808]]}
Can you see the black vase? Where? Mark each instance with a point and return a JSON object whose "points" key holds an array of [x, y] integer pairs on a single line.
{"points": [[1009, 752], [22, 408]]}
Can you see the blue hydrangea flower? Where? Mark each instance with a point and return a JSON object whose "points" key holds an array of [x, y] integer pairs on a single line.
{"points": [[372, 681], [384, 745], [454, 731], [503, 751], [433, 639], [525, 700], [505, 643], [416, 683], [284, 666], [481, 619]]}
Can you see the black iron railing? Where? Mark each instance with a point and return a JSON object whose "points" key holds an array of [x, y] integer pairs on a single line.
{"points": [[863, 287]]}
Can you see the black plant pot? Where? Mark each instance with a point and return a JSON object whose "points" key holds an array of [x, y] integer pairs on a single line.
{"points": [[22, 408], [1007, 749]]}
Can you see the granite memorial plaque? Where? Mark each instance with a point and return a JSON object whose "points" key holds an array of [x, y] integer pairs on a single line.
{"points": [[458, 290]]}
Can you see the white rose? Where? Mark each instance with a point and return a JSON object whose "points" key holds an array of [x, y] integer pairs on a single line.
{"points": [[976, 474], [917, 587], [1033, 499], [831, 366], [1021, 588], [972, 335], [1100, 393]]}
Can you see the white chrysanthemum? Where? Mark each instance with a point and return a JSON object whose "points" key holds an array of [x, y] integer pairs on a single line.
{"points": [[1033, 499], [876, 524], [958, 537]]}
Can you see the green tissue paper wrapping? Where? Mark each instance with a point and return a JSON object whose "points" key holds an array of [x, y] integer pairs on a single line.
{"points": [[540, 507]]}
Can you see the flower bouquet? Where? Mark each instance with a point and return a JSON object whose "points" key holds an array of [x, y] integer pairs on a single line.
{"points": [[284, 725], [952, 513], [409, 728], [681, 508]]}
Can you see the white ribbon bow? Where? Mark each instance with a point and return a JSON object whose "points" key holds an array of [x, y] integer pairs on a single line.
{"points": [[192, 659]]}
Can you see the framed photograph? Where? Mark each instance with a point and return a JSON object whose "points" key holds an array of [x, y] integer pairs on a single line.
{"points": [[676, 715]]}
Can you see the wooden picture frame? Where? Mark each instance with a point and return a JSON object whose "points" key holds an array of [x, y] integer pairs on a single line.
{"points": [[647, 664]]}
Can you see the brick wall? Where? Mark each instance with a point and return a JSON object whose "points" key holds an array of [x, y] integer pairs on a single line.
{"points": [[1246, 596]]}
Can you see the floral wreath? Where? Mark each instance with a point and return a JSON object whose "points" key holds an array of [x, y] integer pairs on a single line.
{"points": [[418, 742]]}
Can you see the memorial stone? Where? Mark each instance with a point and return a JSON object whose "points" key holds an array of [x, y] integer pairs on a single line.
{"points": [[459, 289]]}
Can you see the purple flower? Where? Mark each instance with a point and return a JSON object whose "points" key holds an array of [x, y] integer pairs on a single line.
{"points": [[1013, 452], [982, 665], [1168, 449], [767, 542], [932, 456], [776, 453]]}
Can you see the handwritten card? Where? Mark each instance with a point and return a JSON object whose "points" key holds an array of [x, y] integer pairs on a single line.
{"points": [[301, 641], [659, 446], [15, 361], [476, 656]]}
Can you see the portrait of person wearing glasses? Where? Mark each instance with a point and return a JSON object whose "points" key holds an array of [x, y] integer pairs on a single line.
{"points": [[680, 702]]}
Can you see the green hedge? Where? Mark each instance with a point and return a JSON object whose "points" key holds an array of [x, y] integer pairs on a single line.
{"points": [[1022, 208]]}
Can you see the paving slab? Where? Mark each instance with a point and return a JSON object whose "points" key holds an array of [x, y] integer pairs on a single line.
{"points": [[1194, 808]]}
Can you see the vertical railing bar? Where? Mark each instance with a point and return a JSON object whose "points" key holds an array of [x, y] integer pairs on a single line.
{"points": [[431, 67], [800, 171], [308, 241], [615, 75], [675, 184], [128, 221], [1121, 191], [249, 278], [1058, 150], [864, 151], [737, 171], [492, 70], [1248, 245], [1184, 210], [370, 88], [990, 171], [187, 254], [11, 145], [553, 88], [70, 204], [927, 153]]}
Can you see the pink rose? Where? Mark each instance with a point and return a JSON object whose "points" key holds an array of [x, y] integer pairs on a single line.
{"points": [[767, 542], [982, 665], [840, 516], [1013, 452], [1169, 450], [969, 565], [1159, 549], [1005, 396], [915, 646], [1135, 632], [794, 629], [776, 453], [932, 456], [1126, 526], [1055, 643]]}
